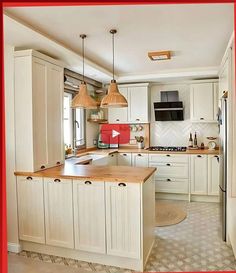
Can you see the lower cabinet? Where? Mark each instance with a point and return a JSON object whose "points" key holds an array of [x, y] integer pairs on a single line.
{"points": [[124, 159], [213, 174], [31, 209], [89, 216], [199, 174], [59, 212], [139, 160], [123, 214]]}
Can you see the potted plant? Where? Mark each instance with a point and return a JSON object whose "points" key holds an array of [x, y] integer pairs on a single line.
{"points": [[140, 141]]}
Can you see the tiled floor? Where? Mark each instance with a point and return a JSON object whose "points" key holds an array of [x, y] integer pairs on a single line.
{"points": [[192, 245]]}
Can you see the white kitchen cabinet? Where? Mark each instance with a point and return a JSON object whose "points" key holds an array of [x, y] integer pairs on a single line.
{"points": [[123, 219], [124, 159], [213, 175], [224, 78], [119, 115], [138, 104], [137, 111], [199, 174], [30, 201], [89, 216], [38, 111], [59, 212], [112, 159], [203, 102], [139, 160]]}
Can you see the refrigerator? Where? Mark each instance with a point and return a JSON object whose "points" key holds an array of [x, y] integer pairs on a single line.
{"points": [[222, 122]]}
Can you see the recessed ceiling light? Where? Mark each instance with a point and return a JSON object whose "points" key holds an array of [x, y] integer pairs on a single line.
{"points": [[159, 55]]}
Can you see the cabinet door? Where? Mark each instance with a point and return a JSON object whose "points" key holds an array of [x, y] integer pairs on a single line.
{"points": [[119, 115], [140, 160], [59, 212], [123, 219], [202, 102], [55, 115], [31, 209], [89, 216], [124, 159], [213, 175], [112, 159], [39, 99], [138, 104], [199, 174]]}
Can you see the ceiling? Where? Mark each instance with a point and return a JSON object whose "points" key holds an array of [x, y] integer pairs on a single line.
{"points": [[197, 34]]}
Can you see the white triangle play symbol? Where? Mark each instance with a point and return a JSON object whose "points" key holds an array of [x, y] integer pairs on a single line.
{"points": [[115, 133]]}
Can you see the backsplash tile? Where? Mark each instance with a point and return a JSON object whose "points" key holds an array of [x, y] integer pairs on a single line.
{"points": [[176, 133]]}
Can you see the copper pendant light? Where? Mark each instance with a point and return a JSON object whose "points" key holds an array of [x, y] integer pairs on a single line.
{"points": [[83, 99], [114, 98]]}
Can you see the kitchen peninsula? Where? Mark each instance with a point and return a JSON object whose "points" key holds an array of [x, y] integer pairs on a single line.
{"points": [[100, 214]]}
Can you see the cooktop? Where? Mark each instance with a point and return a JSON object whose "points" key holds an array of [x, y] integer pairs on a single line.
{"points": [[168, 148]]}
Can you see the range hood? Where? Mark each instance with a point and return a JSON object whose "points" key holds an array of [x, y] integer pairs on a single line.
{"points": [[170, 108]]}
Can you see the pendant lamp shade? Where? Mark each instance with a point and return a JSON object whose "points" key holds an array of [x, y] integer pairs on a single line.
{"points": [[83, 99], [114, 98]]}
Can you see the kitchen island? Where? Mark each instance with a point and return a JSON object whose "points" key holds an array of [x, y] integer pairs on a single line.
{"points": [[100, 214]]}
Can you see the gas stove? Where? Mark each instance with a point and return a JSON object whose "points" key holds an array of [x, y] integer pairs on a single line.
{"points": [[167, 149]]}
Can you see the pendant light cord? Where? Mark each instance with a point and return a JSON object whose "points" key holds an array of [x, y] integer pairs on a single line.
{"points": [[113, 56], [83, 56]]}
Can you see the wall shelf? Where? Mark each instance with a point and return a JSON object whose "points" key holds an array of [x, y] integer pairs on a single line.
{"points": [[97, 120]]}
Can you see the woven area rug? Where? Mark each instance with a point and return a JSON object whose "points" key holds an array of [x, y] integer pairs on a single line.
{"points": [[169, 213]]}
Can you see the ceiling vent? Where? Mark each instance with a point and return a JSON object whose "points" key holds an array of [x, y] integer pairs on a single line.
{"points": [[159, 55]]}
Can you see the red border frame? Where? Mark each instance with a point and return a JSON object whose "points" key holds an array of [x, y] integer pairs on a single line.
{"points": [[3, 222]]}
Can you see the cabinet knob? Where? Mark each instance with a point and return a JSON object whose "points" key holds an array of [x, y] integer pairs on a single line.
{"points": [[112, 155], [168, 179], [57, 180], [122, 185], [201, 118], [168, 164], [199, 156], [117, 119], [58, 162], [42, 167], [139, 155], [124, 154], [216, 156], [137, 119], [29, 178], [88, 182], [167, 155]]}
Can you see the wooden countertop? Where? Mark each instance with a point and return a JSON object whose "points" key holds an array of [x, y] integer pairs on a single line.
{"points": [[136, 150], [96, 173]]}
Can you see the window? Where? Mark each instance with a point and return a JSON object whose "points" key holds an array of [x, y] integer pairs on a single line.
{"points": [[74, 124]]}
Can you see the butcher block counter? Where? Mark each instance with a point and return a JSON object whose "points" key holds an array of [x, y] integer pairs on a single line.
{"points": [[96, 173]]}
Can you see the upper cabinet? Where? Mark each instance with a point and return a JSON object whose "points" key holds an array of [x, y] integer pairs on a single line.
{"points": [[137, 111], [203, 102], [38, 111]]}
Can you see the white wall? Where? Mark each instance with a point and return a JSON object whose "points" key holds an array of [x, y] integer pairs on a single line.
{"points": [[176, 133], [12, 224]]}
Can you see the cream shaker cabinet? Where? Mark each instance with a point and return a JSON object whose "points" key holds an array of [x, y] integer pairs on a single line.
{"points": [[199, 174], [89, 216], [59, 212], [203, 102], [139, 160], [123, 214], [213, 174], [119, 115], [137, 111], [31, 209], [38, 111], [124, 159]]}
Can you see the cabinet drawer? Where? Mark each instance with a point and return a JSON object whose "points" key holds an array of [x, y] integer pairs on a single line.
{"points": [[172, 185], [175, 170], [168, 158]]}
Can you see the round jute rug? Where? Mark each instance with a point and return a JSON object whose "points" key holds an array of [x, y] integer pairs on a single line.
{"points": [[169, 213]]}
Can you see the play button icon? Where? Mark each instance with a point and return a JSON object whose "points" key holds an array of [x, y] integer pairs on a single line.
{"points": [[115, 133]]}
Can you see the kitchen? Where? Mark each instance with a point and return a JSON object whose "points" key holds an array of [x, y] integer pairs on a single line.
{"points": [[116, 142]]}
